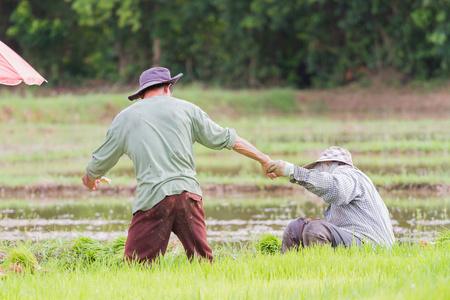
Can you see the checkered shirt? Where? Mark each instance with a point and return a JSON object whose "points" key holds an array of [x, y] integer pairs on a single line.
{"points": [[354, 203]]}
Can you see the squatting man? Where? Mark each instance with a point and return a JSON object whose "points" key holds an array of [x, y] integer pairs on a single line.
{"points": [[356, 212]]}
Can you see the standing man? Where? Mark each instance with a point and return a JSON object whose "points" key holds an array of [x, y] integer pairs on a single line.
{"points": [[157, 133], [355, 214]]}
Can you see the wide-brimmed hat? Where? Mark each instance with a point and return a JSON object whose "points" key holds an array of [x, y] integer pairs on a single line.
{"points": [[333, 154], [154, 76]]}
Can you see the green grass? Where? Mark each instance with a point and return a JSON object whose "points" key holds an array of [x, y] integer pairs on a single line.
{"points": [[269, 244], [50, 139], [405, 271], [22, 255], [415, 152], [94, 108]]}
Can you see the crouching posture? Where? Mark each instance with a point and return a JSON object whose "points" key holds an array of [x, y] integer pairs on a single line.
{"points": [[356, 212]]}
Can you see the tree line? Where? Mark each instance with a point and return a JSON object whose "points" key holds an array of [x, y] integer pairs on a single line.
{"points": [[235, 43]]}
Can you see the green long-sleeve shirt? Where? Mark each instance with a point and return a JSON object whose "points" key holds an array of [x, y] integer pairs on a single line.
{"points": [[158, 134]]}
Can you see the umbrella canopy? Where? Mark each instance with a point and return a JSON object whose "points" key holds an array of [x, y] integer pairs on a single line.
{"points": [[13, 69]]}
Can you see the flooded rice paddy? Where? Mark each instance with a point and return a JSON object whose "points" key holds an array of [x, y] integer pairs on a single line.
{"points": [[241, 218]]}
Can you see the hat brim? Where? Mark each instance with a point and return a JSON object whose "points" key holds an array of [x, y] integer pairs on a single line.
{"points": [[135, 95], [311, 165]]}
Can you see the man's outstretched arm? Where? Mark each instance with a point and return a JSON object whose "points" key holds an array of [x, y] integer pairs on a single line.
{"points": [[244, 147], [338, 188], [105, 157]]}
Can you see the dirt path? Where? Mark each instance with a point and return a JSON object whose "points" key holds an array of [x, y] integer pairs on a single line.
{"points": [[54, 191]]}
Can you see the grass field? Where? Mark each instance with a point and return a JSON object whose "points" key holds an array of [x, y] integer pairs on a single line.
{"points": [[392, 152], [404, 272], [400, 138]]}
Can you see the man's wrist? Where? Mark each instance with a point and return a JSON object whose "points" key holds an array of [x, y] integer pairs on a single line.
{"points": [[265, 159], [288, 169]]}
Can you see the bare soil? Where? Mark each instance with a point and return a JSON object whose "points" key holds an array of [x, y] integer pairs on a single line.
{"points": [[54, 191], [402, 103]]}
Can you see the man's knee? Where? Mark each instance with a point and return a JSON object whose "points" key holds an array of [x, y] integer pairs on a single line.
{"points": [[292, 237], [316, 232]]}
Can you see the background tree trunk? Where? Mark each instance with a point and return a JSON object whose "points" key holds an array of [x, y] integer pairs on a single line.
{"points": [[156, 52]]}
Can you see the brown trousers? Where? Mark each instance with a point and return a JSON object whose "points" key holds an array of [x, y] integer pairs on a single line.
{"points": [[149, 232], [306, 232], [303, 232]]}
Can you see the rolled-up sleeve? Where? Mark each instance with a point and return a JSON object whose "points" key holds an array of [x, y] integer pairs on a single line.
{"points": [[211, 135], [107, 155]]}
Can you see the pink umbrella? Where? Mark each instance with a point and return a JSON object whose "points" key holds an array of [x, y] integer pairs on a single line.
{"points": [[13, 69]]}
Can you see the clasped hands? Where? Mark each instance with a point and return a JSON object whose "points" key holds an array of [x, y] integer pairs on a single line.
{"points": [[275, 168]]}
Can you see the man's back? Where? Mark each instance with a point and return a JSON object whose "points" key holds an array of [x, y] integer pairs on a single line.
{"points": [[157, 134], [158, 138], [361, 210]]}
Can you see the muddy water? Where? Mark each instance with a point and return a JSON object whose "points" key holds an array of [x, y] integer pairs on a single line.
{"points": [[241, 218]]}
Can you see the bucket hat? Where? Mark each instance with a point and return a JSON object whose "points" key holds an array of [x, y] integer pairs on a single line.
{"points": [[154, 76], [333, 154]]}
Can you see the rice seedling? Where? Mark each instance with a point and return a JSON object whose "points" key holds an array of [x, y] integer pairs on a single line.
{"points": [[405, 271], [89, 250], [43, 144], [443, 236], [413, 151], [2, 256], [117, 247], [21, 257], [269, 244]]}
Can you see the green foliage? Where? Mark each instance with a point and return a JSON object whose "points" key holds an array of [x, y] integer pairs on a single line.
{"points": [[269, 244], [22, 255], [235, 43], [117, 250], [88, 249], [404, 272], [118, 245], [444, 236], [51, 138]]}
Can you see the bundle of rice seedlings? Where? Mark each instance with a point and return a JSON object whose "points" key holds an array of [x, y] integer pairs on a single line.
{"points": [[269, 244], [2, 256], [21, 257], [118, 245], [443, 237], [89, 249], [50, 249], [118, 250], [3, 273], [116, 259]]}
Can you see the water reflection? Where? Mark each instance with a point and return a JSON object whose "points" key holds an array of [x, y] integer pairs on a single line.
{"points": [[241, 218]]}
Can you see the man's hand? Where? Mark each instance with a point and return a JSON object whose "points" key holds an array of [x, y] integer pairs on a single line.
{"points": [[277, 167], [90, 182], [264, 168]]}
